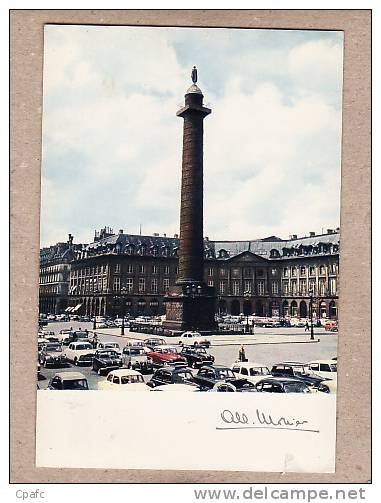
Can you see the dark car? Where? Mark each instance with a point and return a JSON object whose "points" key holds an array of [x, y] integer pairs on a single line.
{"points": [[209, 375], [299, 370], [196, 357], [51, 354], [172, 375], [282, 385], [105, 360]]}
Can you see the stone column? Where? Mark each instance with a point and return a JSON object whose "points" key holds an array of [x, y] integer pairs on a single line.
{"points": [[191, 255]]}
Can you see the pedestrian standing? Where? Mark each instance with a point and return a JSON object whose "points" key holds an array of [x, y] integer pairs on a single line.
{"points": [[306, 327], [241, 354]]}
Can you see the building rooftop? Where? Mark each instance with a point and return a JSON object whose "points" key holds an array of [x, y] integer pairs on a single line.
{"points": [[272, 247]]}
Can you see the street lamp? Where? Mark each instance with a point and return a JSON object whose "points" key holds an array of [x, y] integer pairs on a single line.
{"points": [[123, 291], [311, 295], [247, 297]]}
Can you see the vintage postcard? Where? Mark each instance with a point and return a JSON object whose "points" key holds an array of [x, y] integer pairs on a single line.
{"points": [[190, 245]]}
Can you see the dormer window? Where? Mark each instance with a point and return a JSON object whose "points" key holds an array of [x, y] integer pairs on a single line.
{"points": [[274, 253], [222, 253], [165, 251]]}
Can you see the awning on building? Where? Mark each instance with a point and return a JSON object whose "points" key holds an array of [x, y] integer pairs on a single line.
{"points": [[68, 309], [76, 307]]}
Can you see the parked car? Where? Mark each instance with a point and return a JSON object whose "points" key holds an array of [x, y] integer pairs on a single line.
{"points": [[324, 368], [282, 385], [105, 360], [41, 341], [172, 375], [209, 375], [65, 337], [251, 371], [68, 380], [124, 380], [193, 338], [331, 327], [196, 356], [328, 386], [134, 357], [153, 342], [109, 345], [139, 343], [51, 354], [298, 370], [79, 352], [165, 355], [80, 335]]}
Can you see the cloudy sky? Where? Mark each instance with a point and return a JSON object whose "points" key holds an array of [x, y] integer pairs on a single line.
{"points": [[112, 143]]}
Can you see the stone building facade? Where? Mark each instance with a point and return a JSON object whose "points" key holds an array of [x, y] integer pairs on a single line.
{"points": [[123, 273], [55, 263]]}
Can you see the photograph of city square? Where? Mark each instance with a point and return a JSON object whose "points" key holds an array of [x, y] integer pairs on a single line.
{"points": [[190, 213]]}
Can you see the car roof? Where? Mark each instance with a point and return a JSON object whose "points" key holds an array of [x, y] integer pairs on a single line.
{"points": [[124, 372], [282, 379], [216, 367], [249, 364], [70, 375], [167, 346], [330, 362], [291, 363]]}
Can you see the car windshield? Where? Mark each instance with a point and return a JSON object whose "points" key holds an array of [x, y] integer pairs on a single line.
{"points": [[81, 334], [200, 350], [256, 371], [166, 350], [301, 370], [75, 384], [132, 379], [108, 354], [182, 376], [225, 374], [136, 351], [83, 346], [53, 347], [296, 387]]}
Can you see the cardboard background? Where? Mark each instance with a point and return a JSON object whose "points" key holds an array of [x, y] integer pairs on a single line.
{"points": [[354, 398]]}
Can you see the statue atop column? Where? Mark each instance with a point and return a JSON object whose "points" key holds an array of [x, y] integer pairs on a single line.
{"points": [[194, 75]]}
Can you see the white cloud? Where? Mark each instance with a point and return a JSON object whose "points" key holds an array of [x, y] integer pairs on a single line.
{"points": [[112, 143]]}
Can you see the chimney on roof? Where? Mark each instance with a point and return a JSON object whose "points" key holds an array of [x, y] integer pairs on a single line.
{"points": [[176, 236], [206, 238], [70, 240], [120, 231], [156, 234], [312, 234], [164, 235], [337, 229], [329, 231], [293, 236]]}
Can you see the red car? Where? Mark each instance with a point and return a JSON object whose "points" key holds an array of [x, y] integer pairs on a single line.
{"points": [[166, 355], [331, 327]]}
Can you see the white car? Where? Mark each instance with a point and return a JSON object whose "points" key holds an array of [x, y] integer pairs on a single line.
{"points": [[124, 380], [79, 352], [109, 345], [324, 368], [251, 371], [138, 343], [190, 337]]}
